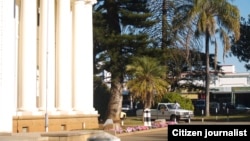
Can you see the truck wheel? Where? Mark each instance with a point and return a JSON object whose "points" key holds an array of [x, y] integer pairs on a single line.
{"points": [[187, 120], [172, 117], [178, 118]]}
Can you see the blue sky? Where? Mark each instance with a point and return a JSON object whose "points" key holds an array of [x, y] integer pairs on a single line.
{"points": [[243, 6]]}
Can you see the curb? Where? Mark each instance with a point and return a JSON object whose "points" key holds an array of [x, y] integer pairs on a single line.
{"points": [[138, 132]]}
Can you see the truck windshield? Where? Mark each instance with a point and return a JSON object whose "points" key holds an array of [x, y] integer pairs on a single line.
{"points": [[172, 106]]}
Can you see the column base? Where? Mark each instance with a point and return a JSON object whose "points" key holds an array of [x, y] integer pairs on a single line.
{"points": [[28, 113], [85, 111], [48, 110]]}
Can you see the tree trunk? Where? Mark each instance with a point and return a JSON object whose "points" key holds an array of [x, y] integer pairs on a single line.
{"points": [[207, 73], [147, 104], [115, 103], [148, 101], [164, 25]]}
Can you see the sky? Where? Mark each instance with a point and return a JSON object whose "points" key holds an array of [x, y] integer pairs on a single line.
{"points": [[243, 6]]}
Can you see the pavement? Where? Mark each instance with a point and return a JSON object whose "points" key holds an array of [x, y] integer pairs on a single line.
{"points": [[142, 132], [159, 134]]}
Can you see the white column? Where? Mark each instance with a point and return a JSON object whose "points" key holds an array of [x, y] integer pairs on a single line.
{"points": [[47, 55], [63, 56], [51, 82], [7, 65], [27, 56], [82, 56], [16, 28]]}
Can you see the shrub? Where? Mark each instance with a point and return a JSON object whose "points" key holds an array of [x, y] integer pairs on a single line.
{"points": [[185, 103]]}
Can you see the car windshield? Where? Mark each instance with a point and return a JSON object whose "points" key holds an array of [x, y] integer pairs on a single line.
{"points": [[172, 106]]}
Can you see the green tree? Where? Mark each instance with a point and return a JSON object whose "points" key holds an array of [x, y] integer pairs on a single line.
{"points": [[147, 79], [173, 35], [241, 48], [211, 17], [171, 30], [117, 37]]}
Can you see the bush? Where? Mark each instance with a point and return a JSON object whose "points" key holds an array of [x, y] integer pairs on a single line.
{"points": [[185, 103]]}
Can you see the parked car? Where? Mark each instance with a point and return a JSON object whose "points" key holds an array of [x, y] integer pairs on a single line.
{"points": [[214, 107], [200, 107], [230, 106], [200, 104], [126, 107], [241, 107]]}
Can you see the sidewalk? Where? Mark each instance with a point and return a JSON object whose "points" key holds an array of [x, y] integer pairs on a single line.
{"points": [[152, 135], [139, 132]]}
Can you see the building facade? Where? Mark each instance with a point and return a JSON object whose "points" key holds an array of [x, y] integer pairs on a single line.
{"points": [[45, 48], [225, 87], [230, 87]]}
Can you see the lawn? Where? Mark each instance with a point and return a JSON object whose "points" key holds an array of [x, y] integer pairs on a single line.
{"points": [[235, 118], [133, 120]]}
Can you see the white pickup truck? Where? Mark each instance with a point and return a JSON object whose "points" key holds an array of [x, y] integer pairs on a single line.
{"points": [[169, 112]]}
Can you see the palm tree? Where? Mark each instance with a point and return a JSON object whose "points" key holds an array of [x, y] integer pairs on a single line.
{"points": [[147, 79], [211, 17]]}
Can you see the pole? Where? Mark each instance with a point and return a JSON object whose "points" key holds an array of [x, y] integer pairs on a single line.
{"points": [[202, 114], [216, 111], [227, 114], [47, 44]]}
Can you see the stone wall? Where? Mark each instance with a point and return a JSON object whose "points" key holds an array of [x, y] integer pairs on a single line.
{"points": [[56, 123]]}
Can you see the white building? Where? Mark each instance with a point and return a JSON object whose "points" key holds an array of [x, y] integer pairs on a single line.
{"points": [[231, 86], [226, 87], [45, 48]]}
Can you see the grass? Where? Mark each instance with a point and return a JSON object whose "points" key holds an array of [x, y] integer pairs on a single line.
{"points": [[137, 121], [133, 120], [235, 118]]}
